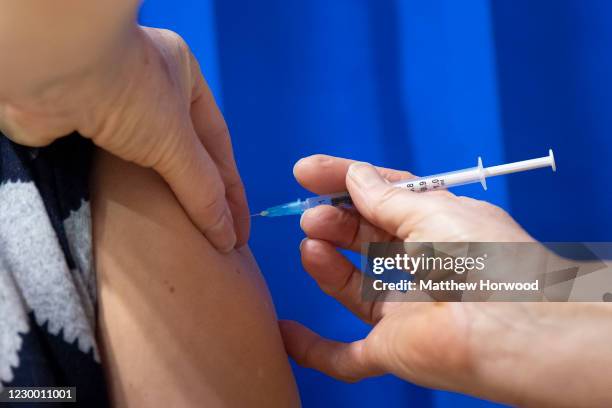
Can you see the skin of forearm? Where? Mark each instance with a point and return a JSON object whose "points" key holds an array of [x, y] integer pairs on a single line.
{"points": [[545, 354], [47, 43]]}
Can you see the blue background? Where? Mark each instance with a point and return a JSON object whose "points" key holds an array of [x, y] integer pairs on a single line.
{"points": [[421, 85]]}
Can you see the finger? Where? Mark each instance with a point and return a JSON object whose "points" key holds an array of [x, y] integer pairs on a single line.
{"points": [[324, 174], [344, 229], [339, 278], [192, 175], [214, 134], [344, 361], [393, 209]]}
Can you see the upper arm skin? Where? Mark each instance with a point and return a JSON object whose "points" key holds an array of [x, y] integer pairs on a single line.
{"points": [[180, 324]]}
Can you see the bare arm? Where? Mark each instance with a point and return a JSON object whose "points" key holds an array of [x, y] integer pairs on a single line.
{"points": [[180, 323]]}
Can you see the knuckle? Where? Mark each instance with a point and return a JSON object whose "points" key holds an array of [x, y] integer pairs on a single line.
{"points": [[308, 357], [496, 210], [490, 209], [381, 204], [174, 38], [189, 64], [183, 67], [343, 369]]}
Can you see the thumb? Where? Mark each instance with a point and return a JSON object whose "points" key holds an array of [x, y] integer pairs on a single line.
{"points": [[393, 209]]}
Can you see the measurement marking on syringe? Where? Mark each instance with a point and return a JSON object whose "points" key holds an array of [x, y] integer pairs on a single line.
{"points": [[426, 185]]}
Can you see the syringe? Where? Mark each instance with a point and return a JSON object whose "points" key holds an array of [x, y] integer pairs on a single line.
{"points": [[419, 184]]}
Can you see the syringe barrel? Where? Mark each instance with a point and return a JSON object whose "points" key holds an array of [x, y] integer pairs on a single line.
{"points": [[442, 180], [337, 200], [420, 184]]}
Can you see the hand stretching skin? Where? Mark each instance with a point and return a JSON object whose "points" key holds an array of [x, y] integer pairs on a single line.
{"points": [[518, 353], [146, 101]]}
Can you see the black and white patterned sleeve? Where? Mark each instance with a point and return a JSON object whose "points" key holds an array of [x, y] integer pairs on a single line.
{"points": [[47, 282]]}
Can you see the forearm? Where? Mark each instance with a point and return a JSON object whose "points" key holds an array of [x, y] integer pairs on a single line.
{"points": [[544, 354], [45, 42]]}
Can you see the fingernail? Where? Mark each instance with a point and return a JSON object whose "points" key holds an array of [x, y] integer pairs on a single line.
{"points": [[302, 218], [302, 243], [363, 174]]}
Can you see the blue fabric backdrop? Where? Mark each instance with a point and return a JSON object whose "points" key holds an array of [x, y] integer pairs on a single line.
{"points": [[423, 85]]}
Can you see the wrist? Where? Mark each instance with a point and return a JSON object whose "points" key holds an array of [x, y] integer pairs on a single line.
{"points": [[530, 354], [499, 338]]}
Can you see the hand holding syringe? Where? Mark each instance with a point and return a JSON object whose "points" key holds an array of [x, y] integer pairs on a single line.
{"points": [[419, 184], [402, 320]]}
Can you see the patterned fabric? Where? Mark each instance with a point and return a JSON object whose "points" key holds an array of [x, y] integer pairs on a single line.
{"points": [[47, 282]]}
